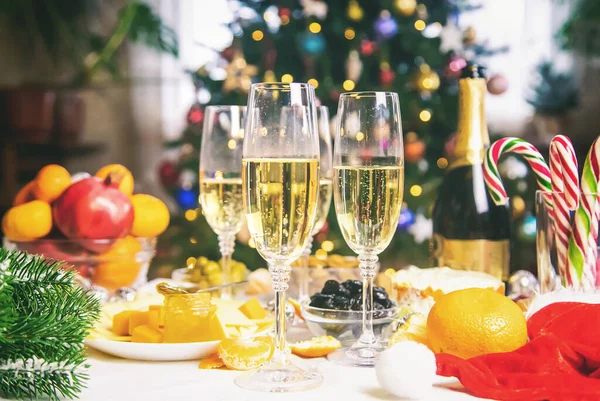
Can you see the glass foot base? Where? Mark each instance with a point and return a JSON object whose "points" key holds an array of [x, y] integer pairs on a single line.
{"points": [[279, 378], [358, 355]]}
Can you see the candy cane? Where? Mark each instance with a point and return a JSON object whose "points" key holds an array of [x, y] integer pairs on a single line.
{"points": [[584, 238], [565, 196], [521, 147]]}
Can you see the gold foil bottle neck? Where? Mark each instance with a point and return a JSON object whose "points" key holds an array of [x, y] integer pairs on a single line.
{"points": [[472, 137]]}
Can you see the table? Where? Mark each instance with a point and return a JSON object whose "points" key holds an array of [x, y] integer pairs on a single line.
{"points": [[119, 379]]}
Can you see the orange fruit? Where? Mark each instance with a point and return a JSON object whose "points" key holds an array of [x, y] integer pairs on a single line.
{"points": [[211, 362], [25, 194], [118, 267], [50, 182], [414, 329], [475, 321], [315, 347], [126, 185], [28, 221], [151, 216], [246, 353]]}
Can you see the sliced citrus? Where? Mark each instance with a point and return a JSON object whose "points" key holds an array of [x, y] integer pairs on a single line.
{"points": [[414, 329], [297, 307], [246, 353], [315, 347], [211, 362]]}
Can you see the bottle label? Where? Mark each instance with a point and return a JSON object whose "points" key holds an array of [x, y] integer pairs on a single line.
{"points": [[492, 257]]}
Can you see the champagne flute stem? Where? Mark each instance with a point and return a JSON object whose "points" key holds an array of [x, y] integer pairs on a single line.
{"points": [[280, 275], [368, 264], [305, 274], [226, 245]]}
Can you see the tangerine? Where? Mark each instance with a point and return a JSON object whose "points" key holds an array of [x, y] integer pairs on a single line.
{"points": [[25, 194], [246, 353], [28, 221], [126, 185], [475, 321], [414, 329], [118, 267], [316, 347], [50, 182], [151, 216]]}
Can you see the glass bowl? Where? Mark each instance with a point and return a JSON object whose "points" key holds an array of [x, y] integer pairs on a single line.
{"points": [[108, 263], [346, 325]]}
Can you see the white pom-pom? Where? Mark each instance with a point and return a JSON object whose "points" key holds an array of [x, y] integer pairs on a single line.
{"points": [[406, 370]]}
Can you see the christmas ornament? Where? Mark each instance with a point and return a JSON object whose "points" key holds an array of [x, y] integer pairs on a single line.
{"points": [[188, 178], [406, 7], [497, 84], [353, 66], [203, 95], [386, 75], [422, 12], [414, 151], [314, 8], [284, 12], [367, 47], [311, 44], [469, 36], [168, 174], [354, 11], [385, 26], [407, 218], [423, 166], [195, 115], [124, 294], [522, 284], [517, 207], [186, 198], [79, 176], [422, 229], [239, 74], [44, 321], [513, 168], [450, 144], [455, 65], [427, 80], [451, 38], [432, 30], [526, 231]]}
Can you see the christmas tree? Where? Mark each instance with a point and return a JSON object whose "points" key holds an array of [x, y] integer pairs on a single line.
{"points": [[414, 49]]}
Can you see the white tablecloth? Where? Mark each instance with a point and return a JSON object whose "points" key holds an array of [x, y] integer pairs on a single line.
{"points": [[113, 379]]}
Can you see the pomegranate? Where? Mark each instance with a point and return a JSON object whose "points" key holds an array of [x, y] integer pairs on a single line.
{"points": [[94, 208]]}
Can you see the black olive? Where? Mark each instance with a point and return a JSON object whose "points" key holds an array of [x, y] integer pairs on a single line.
{"points": [[321, 301], [353, 286], [331, 287], [341, 303]]}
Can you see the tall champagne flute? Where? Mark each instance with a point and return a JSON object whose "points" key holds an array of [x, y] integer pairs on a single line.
{"points": [[368, 182], [325, 193], [221, 178], [280, 175]]}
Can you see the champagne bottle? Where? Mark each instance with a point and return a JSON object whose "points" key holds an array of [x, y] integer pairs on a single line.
{"points": [[469, 231]]}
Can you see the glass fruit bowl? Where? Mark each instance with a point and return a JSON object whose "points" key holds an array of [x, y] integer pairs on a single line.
{"points": [[346, 325], [108, 263]]}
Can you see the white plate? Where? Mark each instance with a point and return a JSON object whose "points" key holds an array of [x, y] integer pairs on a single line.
{"points": [[155, 352]]}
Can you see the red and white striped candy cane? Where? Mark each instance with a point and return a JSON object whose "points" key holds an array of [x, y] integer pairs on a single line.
{"points": [[565, 195]]}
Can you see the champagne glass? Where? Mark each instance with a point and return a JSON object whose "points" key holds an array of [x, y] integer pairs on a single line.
{"points": [[221, 178], [368, 182], [325, 193], [280, 175]]}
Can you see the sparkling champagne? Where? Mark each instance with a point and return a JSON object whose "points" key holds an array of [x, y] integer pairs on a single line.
{"points": [[469, 231], [323, 202], [368, 202], [222, 204], [280, 204]]}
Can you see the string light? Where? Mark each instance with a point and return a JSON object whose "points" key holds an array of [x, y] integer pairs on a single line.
{"points": [[425, 115], [321, 254], [360, 136], [231, 144], [420, 25], [416, 190], [327, 246], [190, 262], [442, 163], [285, 20], [287, 78], [258, 35], [348, 85], [315, 27], [313, 82], [191, 214], [193, 240], [349, 33]]}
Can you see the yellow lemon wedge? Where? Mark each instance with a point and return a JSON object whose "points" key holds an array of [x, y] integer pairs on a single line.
{"points": [[315, 347], [246, 353]]}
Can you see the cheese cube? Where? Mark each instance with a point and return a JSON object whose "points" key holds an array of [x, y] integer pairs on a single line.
{"points": [[146, 334], [120, 323], [161, 314], [153, 316], [217, 330], [136, 319], [253, 310]]}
